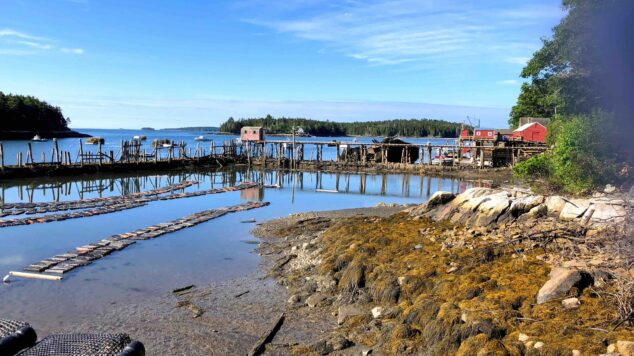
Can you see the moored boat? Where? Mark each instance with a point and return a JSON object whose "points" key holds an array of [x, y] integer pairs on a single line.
{"points": [[95, 140], [38, 138]]}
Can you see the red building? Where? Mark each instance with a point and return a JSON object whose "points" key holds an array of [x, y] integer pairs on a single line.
{"points": [[531, 132], [252, 133], [489, 134]]}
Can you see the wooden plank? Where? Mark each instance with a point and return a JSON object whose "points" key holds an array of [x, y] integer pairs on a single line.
{"points": [[35, 276], [260, 345]]}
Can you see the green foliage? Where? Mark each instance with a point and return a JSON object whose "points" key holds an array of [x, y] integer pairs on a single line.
{"points": [[411, 128], [582, 156], [581, 77], [26, 113]]}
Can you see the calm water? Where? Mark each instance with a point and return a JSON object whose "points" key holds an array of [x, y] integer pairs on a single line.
{"points": [[214, 251], [113, 140]]}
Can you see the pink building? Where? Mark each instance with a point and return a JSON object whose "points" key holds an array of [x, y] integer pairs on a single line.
{"points": [[252, 133]]}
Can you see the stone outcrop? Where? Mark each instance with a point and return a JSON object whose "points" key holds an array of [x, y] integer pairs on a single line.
{"points": [[485, 206]]}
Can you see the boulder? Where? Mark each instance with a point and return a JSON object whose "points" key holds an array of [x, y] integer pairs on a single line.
{"points": [[438, 198], [555, 204], [605, 212], [315, 299], [560, 282], [574, 209], [347, 311], [521, 206], [625, 348], [609, 188], [490, 210]]}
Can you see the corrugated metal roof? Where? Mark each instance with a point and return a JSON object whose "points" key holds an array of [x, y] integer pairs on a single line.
{"points": [[525, 126]]}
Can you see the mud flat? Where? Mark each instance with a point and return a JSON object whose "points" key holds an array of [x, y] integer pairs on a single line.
{"points": [[485, 272]]}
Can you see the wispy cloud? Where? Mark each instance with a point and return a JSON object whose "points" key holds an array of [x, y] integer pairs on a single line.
{"points": [[18, 43], [507, 82], [387, 32]]}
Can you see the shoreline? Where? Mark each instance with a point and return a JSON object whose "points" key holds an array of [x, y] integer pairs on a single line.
{"points": [[28, 135]]}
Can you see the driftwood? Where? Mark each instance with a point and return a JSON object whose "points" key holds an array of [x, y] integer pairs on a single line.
{"points": [[183, 289], [260, 345], [241, 294]]}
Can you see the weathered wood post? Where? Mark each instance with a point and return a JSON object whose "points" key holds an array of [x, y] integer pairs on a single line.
{"points": [[111, 157], [57, 156], [81, 153], [1, 156], [429, 158], [19, 159], [29, 154], [43, 157], [481, 164], [99, 151]]}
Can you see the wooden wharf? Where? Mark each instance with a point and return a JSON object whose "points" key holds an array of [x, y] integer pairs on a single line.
{"points": [[306, 155], [52, 268]]}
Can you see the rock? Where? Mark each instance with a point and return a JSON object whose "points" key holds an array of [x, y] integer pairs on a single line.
{"points": [[321, 347], [452, 269], [576, 353], [339, 342], [538, 211], [418, 247], [609, 189], [605, 212], [574, 209], [438, 198], [315, 299], [346, 311], [523, 337], [490, 210], [325, 283], [571, 303], [401, 280], [366, 352], [611, 348], [555, 204], [625, 348], [538, 345], [560, 282], [377, 312], [521, 206], [294, 299]]}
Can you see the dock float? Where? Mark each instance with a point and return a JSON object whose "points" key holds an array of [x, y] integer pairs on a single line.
{"points": [[54, 267], [108, 205]]}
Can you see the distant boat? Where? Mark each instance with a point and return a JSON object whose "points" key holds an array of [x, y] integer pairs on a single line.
{"points": [[162, 143], [95, 140], [140, 137], [201, 138], [37, 138]]}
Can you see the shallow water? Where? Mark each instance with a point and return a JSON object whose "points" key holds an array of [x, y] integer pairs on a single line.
{"points": [[217, 250]]}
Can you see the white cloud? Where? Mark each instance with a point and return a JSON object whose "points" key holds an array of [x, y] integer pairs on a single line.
{"points": [[14, 42], [405, 31], [73, 50], [507, 82], [518, 60]]}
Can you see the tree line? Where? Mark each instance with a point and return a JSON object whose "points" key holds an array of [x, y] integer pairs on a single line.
{"points": [[27, 113], [400, 127], [583, 78]]}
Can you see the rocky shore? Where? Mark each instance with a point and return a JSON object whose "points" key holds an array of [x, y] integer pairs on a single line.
{"points": [[489, 271]]}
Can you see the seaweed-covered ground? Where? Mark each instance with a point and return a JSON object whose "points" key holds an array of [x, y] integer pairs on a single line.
{"points": [[402, 284]]}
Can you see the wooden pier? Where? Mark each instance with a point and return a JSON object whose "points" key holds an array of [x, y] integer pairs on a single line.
{"points": [[308, 155]]}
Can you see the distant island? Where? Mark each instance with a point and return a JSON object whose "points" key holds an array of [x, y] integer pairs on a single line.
{"points": [[147, 128], [400, 127], [194, 128], [23, 117]]}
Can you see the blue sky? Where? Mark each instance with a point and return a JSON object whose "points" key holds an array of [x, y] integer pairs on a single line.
{"points": [[121, 63]]}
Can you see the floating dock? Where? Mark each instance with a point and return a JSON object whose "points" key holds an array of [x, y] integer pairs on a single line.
{"points": [[86, 254], [99, 206]]}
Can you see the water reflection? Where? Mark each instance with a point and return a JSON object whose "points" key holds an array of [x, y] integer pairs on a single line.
{"points": [[404, 185]]}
